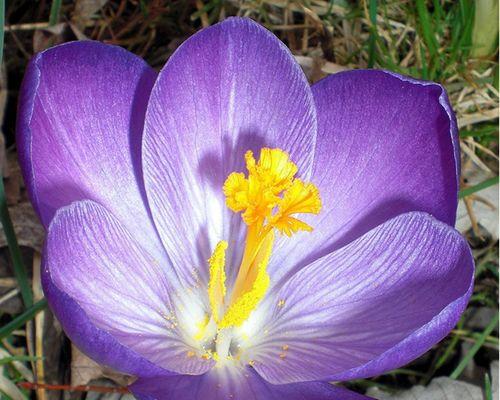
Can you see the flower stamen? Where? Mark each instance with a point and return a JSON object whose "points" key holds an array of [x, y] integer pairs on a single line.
{"points": [[268, 199]]}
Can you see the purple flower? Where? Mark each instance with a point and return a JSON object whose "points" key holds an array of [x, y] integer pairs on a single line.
{"points": [[224, 230]]}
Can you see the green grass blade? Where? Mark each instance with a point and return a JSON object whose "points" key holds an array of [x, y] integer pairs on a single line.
{"points": [[487, 387], [8, 360], [373, 34], [472, 352], [55, 10], [15, 252], [449, 349], [20, 320], [480, 186], [205, 9], [425, 69], [461, 20], [483, 299], [427, 30], [488, 130], [406, 371], [439, 15]]}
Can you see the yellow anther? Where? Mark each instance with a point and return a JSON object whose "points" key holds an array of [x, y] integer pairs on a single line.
{"points": [[217, 282], [253, 290]]}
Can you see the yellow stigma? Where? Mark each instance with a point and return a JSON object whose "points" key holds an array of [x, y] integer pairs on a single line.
{"points": [[299, 198], [268, 198]]}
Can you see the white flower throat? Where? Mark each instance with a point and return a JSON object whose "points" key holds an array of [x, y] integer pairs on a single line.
{"points": [[268, 198]]}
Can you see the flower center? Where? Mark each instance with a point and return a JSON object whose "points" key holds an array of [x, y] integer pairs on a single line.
{"points": [[268, 198]]}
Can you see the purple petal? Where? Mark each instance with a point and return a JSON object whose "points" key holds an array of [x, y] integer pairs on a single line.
{"points": [[229, 88], [96, 343], [81, 115], [235, 383], [93, 263], [370, 307], [386, 145]]}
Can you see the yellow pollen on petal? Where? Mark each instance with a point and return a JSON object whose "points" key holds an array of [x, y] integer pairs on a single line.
{"points": [[217, 282], [201, 328], [269, 198]]}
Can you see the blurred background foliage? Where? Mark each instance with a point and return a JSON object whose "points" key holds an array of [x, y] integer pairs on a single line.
{"points": [[452, 42]]}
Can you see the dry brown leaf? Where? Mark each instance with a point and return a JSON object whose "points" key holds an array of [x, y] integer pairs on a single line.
{"points": [[316, 68], [84, 370], [442, 388], [13, 179], [29, 231], [483, 204], [3, 104], [84, 11], [48, 37]]}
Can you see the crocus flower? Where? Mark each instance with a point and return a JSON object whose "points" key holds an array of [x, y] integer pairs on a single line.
{"points": [[225, 231]]}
